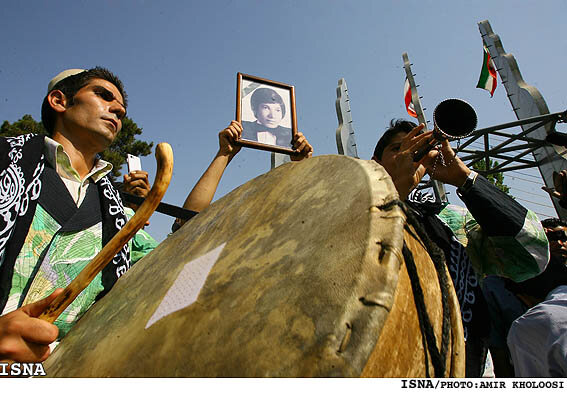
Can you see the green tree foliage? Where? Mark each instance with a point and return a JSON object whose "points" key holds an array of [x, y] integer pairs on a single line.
{"points": [[125, 142], [496, 179], [25, 125]]}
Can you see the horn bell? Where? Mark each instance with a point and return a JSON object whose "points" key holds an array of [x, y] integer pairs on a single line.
{"points": [[454, 119]]}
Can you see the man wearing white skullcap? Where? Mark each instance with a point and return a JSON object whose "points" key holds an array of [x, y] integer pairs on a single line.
{"points": [[61, 210]]}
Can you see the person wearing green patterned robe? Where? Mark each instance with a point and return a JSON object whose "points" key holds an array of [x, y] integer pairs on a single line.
{"points": [[66, 254], [58, 208]]}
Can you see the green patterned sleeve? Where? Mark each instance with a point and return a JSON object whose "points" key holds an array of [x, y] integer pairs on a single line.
{"points": [[142, 243], [518, 256]]}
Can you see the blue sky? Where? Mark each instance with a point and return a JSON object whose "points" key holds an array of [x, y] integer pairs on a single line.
{"points": [[179, 59]]}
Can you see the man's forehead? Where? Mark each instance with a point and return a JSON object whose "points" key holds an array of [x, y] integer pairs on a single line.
{"points": [[397, 138], [271, 104], [107, 85]]}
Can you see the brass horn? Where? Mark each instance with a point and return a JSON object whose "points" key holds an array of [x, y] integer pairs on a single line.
{"points": [[453, 119]]}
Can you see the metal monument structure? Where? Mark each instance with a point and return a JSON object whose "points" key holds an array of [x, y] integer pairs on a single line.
{"points": [[538, 136], [277, 159], [538, 145], [346, 144], [538, 125]]}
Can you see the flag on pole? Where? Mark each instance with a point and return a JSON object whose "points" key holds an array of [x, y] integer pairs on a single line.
{"points": [[487, 80], [407, 99]]}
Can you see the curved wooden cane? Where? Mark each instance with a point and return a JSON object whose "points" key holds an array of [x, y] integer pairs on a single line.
{"points": [[164, 157]]}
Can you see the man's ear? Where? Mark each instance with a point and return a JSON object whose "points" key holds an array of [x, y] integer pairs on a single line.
{"points": [[57, 100]]}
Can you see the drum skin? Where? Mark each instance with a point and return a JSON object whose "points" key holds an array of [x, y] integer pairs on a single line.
{"points": [[303, 287]]}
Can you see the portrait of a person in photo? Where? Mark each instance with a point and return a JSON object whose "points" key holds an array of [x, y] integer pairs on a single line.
{"points": [[269, 110]]}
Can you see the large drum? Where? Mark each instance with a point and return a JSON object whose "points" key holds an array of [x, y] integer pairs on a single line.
{"points": [[299, 272]]}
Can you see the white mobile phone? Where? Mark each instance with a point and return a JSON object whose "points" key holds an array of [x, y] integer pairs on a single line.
{"points": [[134, 163]]}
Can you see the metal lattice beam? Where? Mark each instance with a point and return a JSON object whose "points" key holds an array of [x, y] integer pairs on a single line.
{"points": [[513, 144]]}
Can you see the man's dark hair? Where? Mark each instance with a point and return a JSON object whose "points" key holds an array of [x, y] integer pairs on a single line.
{"points": [[71, 85], [396, 126], [266, 95], [553, 222]]}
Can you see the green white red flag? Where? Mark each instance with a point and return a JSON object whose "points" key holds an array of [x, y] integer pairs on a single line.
{"points": [[407, 98], [487, 80]]}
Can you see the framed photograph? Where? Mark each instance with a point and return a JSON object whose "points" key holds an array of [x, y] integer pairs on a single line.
{"points": [[266, 110]]}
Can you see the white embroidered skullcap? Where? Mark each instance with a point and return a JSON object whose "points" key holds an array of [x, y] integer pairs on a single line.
{"points": [[61, 76]]}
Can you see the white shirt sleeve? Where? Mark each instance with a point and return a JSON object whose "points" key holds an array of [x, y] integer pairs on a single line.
{"points": [[538, 339]]}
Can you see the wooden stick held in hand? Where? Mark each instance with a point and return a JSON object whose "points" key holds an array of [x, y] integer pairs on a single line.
{"points": [[164, 157]]}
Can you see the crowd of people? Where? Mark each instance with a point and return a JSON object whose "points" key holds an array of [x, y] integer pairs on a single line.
{"points": [[59, 206]]}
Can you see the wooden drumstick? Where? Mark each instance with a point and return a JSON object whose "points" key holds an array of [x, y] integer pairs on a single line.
{"points": [[164, 157]]}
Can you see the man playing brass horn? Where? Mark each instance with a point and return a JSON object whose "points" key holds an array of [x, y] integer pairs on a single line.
{"points": [[493, 235]]}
